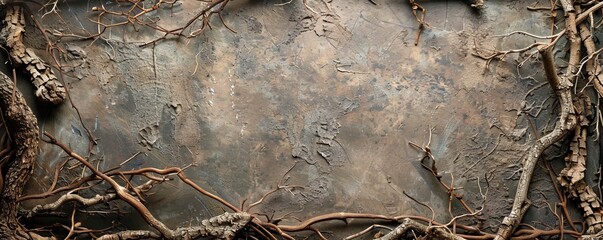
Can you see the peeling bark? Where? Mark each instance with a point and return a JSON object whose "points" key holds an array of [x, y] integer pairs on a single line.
{"points": [[575, 161], [48, 87], [572, 176]]}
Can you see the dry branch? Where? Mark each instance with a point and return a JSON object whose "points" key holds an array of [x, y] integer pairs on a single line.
{"points": [[136, 16], [121, 192], [224, 226], [74, 197], [567, 122], [97, 199]]}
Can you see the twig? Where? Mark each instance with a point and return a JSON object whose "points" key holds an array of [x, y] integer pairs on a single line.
{"points": [[422, 204]]}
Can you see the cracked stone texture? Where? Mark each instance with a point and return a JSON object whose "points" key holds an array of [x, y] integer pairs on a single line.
{"points": [[337, 96]]}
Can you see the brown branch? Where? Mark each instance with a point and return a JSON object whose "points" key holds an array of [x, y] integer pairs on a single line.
{"points": [[329, 217], [124, 195], [51, 47], [69, 197], [134, 17], [428, 156], [121, 191]]}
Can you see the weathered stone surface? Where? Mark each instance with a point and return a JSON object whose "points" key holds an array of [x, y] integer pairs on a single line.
{"points": [[337, 94]]}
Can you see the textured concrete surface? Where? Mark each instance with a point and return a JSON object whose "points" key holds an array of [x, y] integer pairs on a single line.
{"points": [[336, 96]]}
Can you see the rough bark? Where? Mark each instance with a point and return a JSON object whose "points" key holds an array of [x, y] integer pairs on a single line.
{"points": [[23, 129], [224, 226], [48, 87]]}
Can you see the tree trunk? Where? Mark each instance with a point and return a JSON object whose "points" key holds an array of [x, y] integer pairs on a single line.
{"points": [[17, 167]]}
